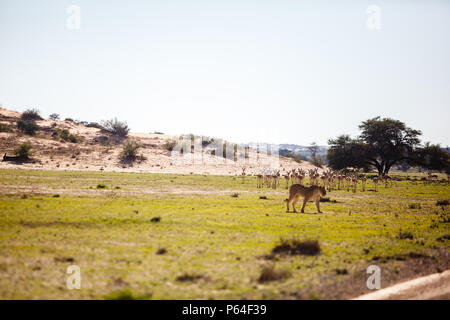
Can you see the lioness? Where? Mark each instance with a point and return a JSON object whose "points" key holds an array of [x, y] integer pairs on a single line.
{"points": [[308, 193]]}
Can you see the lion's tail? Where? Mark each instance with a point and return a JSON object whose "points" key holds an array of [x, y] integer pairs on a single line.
{"points": [[286, 200]]}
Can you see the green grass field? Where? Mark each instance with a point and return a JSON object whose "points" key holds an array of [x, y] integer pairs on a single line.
{"points": [[102, 222]]}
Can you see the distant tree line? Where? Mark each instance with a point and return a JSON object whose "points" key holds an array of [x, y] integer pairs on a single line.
{"points": [[384, 143]]}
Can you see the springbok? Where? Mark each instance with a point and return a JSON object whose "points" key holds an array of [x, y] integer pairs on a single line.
{"points": [[341, 179], [354, 182], [243, 174], [363, 183], [347, 182], [286, 178], [259, 180], [375, 183], [387, 180]]}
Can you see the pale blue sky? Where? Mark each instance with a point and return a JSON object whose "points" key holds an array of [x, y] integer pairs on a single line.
{"points": [[272, 71]]}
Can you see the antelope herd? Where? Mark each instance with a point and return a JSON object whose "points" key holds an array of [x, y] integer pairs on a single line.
{"points": [[329, 179]]}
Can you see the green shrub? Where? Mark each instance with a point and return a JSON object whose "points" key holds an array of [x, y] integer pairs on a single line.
{"points": [[130, 151], [65, 135], [170, 144], [5, 128], [28, 127], [94, 125], [101, 186], [23, 151], [31, 114]]}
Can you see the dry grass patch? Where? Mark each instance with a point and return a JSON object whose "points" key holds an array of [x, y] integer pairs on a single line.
{"points": [[268, 273]]}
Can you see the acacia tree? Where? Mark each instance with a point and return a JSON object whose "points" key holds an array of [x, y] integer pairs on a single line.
{"points": [[381, 144]]}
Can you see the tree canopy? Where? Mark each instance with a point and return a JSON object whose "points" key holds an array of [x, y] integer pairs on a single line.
{"points": [[382, 144]]}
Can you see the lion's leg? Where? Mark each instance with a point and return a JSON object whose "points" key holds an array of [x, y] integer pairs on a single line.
{"points": [[304, 204], [289, 200], [294, 203], [318, 205]]}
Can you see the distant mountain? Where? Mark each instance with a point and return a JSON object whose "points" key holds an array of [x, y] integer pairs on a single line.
{"points": [[296, 149]]}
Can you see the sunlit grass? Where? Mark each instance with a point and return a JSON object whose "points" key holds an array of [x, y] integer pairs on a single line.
{"points": [[110, 234]]}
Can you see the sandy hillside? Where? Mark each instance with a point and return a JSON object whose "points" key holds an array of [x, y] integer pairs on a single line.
{"points": [[98, 150]]}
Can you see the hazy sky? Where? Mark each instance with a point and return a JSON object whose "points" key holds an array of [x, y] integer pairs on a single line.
{"points": [[266, 71]]}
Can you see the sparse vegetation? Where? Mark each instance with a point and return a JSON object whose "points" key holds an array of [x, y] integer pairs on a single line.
{"points": [[444, 202], [28, 127], [294, 246], [169, 145], [269, 273], [23, 151], [288, 154], [116, 127], [188, 277], [94, 125], [31, 114], [5, 128], [129, 152], [65, 135], [316, 161], [126, 294], [405, 235], [208, 233], [54, 117]]}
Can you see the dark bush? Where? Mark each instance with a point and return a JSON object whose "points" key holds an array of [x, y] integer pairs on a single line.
{"points": [[405, 235], [268, 273], [442, 202], [190, 277], [54, 116], [65, 135], [28, 127], [31, 114], [294, 246], [116, 127]]}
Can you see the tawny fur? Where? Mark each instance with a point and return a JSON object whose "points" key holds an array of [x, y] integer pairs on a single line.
{"points": [[312, 193]]}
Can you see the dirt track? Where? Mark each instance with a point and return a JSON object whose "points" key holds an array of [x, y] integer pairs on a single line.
{"points": [[434, 286]]}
